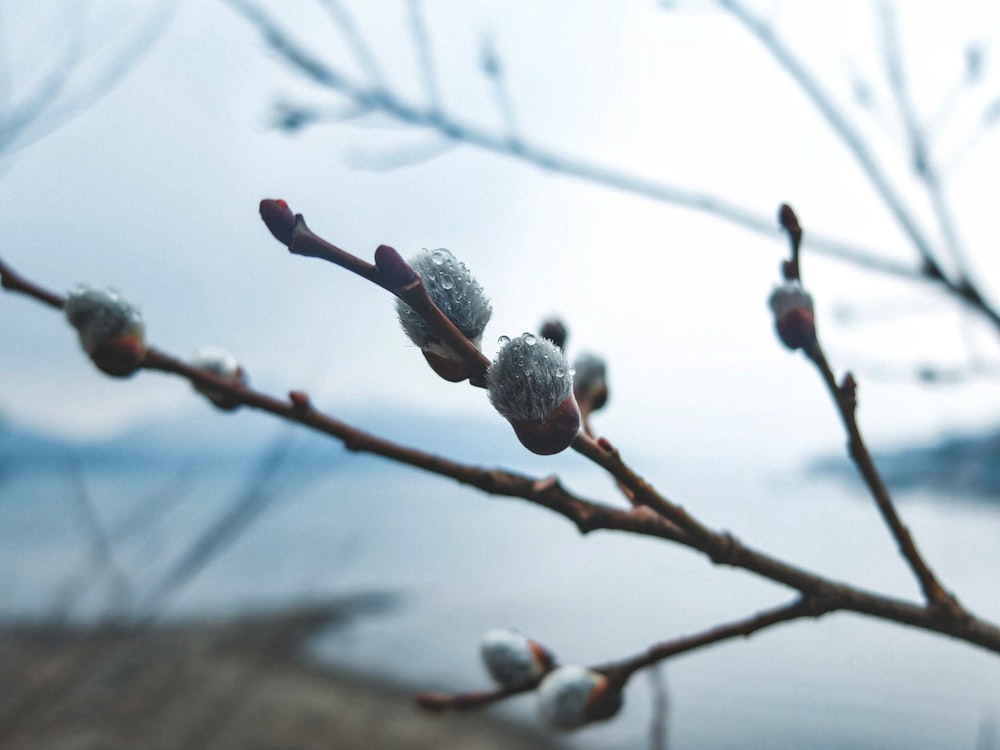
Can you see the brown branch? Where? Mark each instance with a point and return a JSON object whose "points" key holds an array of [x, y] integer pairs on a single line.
{"points": [[604, 454], [845, 399], [675, 525], [15, 282], [620, 672]]}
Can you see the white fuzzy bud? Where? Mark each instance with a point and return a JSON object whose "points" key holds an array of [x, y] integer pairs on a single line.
{"points": [[101, 314], [512, 659], [531, 384], [218, 361], [789, 296], [111, 330], [456, 293], [570, 697], [794, 318], [529, 378]]}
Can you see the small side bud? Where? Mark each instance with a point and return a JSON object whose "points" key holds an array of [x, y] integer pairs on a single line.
{"points": [[789, 221], [219, 362], [849, 391], [279, 219], [111, 330], [457, 294], [514, 660], [300, 400], [793, 316], [555, 331], [570, 697], [390, 264], [531, 384], [590, 384]]}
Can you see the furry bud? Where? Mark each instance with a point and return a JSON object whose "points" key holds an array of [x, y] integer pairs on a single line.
{"points": [[111, 330], [570, 697], [457, 294], [793, 316], [590, 385], [219, 362], [514, 660], [531, 384]]}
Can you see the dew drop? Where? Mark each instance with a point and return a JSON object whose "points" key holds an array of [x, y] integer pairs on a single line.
{"points": [[447, 282], [530, 339], [572, 372], [503, 341], [437, 257], [560, 372]]}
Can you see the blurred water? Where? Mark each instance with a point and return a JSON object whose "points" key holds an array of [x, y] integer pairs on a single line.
{"points": [[465, 563]]}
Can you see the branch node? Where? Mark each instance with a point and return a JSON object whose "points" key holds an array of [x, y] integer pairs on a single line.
{"points": [[300, 400]]}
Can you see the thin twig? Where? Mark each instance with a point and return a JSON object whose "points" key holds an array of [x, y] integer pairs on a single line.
{"points": [[844, 397], [619, 672], [922, 160], [355, 40], [422, 43]]}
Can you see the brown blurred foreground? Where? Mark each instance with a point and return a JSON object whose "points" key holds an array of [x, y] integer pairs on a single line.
{"points": [[240, 683]]}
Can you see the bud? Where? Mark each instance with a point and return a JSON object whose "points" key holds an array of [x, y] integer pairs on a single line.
{"points": [[793, 316], [570, 697], [279, 219], [219, 362], [590, 385], [555, 331], [111, 330], [392, 267], [514, 660], [458, 295], [531, 384]]}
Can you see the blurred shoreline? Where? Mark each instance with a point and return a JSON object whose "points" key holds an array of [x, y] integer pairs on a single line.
{"points": [[238, 682]]}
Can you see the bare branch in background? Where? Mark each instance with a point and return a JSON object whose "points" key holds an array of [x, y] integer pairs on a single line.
{"points": [[69, 88], [507, 141], [101, 560], [387, 102], [258, 492], [425, 55]]}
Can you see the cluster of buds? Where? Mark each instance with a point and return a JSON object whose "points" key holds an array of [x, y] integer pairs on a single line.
{"points": [[111, 330], [531, 384], [568, 697], [460, 297], [218, 361], [793, 315]]}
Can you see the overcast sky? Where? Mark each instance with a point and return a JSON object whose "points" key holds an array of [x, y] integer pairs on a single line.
{"points": [[154, 190]]}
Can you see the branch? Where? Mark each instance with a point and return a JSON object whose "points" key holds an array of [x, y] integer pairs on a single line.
{"points": [[961, 287], [921, 158], [588, 516], [432, 118], [797, 329]]}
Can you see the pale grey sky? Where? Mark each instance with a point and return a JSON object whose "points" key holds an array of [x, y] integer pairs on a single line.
{"points": [[154, 190]]}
